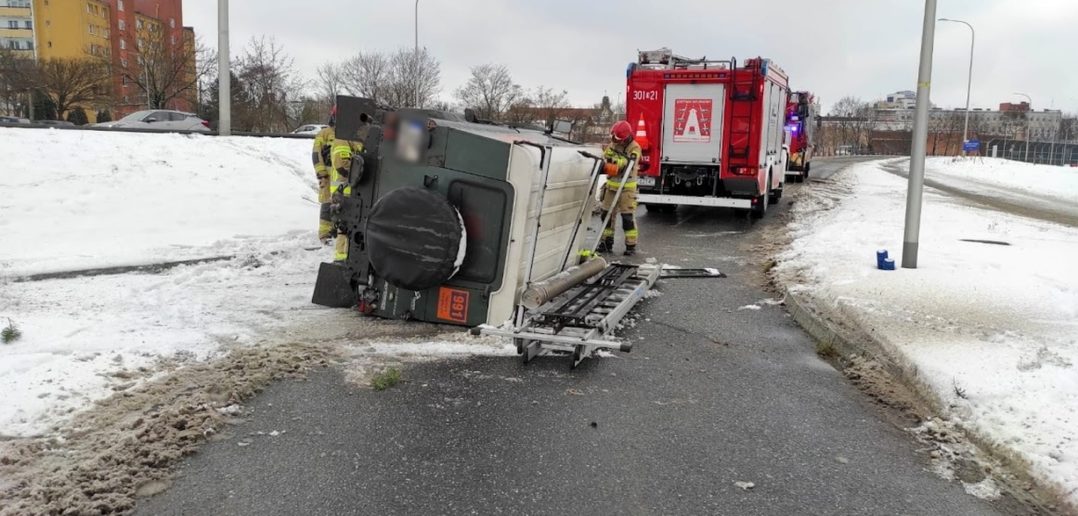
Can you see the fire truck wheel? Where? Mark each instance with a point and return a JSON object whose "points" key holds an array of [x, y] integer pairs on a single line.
{"points": [[776, 194], [760, 208]]}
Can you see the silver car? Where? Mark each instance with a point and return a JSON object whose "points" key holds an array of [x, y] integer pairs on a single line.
{"points": [[160, 120], [309, 129]]}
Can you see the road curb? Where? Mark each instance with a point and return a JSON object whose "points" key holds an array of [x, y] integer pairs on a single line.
{"points": [[855, 341], [849, 339]]}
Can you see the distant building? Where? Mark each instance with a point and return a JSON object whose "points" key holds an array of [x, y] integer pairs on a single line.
{"points": [[899, 100], [17, 27], [111, 30]]}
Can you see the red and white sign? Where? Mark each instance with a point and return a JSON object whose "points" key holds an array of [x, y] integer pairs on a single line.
{"points": [[692, 120]]}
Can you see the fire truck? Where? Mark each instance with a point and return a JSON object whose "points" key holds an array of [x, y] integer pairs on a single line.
{"points": [[712, 132], [800, 123]]}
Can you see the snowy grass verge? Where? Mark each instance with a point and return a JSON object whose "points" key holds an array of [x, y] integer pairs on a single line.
{"points": [[986, 331]]}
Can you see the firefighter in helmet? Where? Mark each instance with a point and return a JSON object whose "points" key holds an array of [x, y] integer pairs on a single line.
{"points": [[617, 155], [343, 155], [320, 155]]}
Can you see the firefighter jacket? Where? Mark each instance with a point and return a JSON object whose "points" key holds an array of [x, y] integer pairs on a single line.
{"points": [[341, 154], [320, 156], [619, 154]]}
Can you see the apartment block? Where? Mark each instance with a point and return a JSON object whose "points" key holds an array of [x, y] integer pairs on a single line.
{"points": [[17, 27]]}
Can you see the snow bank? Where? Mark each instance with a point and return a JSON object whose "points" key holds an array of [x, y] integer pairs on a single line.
{"points": [[73, 200], [86, 199], [995, 323], [1038, 180]]}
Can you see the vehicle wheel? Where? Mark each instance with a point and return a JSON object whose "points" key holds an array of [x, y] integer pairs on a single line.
{"points": [[760, 208], [776, 194]]}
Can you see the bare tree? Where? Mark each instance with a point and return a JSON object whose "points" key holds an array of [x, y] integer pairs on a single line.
{"points": [[16, 78], [490, 91], [330, 81], [366, 75], [72, 81], [549, 103], [414, 79], [854, 120], [271, 88], [165, 69]]}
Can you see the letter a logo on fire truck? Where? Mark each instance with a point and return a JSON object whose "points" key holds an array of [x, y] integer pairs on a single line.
{"points": [[692, 120]]}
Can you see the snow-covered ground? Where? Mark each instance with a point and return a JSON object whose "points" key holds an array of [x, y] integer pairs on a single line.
{"points": [[86, 199], [990, 328], [75, 200], [1042, 181]]}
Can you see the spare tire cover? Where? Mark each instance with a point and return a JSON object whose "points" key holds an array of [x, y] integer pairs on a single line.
{"points": [[415, 238]]}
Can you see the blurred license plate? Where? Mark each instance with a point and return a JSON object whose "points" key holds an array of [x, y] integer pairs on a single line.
{"points": [[645, 181]]}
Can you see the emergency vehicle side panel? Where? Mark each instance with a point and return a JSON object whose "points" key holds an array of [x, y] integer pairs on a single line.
{"points": [[692, 123], [645, 102]]}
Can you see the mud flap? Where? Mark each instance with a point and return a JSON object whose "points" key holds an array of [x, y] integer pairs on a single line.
{"points": [[334, 287]]}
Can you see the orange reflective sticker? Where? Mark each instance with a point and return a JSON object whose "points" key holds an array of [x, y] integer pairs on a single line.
{"points": [[453, 304]]}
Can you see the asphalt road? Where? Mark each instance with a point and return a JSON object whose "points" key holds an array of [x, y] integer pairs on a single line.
{"points": [[712, 394]]}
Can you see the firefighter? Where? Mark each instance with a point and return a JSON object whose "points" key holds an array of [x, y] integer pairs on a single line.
{"points": [[320, 155], [618, 153], [342, 153]]}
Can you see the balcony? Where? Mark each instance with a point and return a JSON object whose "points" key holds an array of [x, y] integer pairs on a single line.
{"points": [[21, 33], [15, 12]]}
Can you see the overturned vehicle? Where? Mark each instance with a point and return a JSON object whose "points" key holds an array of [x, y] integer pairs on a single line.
{"points": [[452, 221]]}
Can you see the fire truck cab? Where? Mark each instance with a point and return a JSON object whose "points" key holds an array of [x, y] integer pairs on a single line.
{"points": [[712, 132]]}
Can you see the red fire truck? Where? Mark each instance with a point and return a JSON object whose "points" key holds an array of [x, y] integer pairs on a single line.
{"points": [[800, 123], [712, 132]]}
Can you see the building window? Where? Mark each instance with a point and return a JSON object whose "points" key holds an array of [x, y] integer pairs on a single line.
{"points": [[12, 24], [122, 25], [123, 45], [28, 24], [172, 22], [120, 4], [138, 24]]}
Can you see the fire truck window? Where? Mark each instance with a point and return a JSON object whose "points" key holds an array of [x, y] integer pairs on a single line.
{"points": [[482, 209]]}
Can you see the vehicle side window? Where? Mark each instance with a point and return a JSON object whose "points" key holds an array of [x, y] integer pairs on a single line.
{"points": [[159, 116], [177, 117]]}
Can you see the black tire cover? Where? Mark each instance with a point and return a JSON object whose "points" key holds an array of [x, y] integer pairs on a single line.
{"points": [[413, 237]]}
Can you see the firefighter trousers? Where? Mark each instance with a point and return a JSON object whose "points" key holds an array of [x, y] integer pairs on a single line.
{"points": [[325, 222], [626, 208]]}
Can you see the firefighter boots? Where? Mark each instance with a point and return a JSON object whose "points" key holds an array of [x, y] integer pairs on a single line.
{"points": [[606, 245]]}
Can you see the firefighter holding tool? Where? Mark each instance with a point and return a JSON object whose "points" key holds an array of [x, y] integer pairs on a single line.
{"points": [[617, 156]]}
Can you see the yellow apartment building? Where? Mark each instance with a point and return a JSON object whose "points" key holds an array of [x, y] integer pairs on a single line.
{"points": [[17, 27], [71, 28]]}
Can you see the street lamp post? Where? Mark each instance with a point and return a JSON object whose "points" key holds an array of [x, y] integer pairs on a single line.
{"points": [[224, 72], [969, 80], [1029, 120], [911, 236], [416, 61]]}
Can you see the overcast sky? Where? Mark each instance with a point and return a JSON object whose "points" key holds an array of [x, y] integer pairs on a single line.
{"points": [[865, 48]]}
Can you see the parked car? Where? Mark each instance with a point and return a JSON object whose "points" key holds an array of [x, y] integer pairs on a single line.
{"points": [[160, 120], [309, 129], [13, 120], [59, 123]]}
